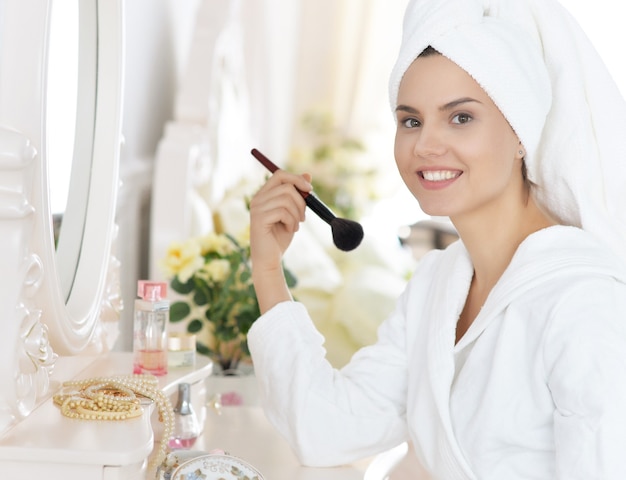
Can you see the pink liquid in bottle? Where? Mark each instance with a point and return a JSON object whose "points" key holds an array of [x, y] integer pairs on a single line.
{"points": [[179, 443], [150, 328], [186, 427]]}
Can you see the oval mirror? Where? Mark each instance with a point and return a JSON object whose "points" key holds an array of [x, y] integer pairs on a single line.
{"points": [[54, 302], [82, 135], [69, 124]]}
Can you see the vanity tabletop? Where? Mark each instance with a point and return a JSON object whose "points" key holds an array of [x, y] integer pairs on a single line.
{"points": [[244, 431]]}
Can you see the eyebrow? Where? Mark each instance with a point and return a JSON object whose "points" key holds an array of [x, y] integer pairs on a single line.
{"points": [[443, 108], [456, 103]]}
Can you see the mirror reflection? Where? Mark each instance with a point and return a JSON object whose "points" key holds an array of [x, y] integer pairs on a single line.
{"points": [[61, 100], [70, 110]]}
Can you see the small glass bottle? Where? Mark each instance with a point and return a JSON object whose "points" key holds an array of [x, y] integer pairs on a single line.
{"points": [[152, 313], [181, 350], [186, 428]]}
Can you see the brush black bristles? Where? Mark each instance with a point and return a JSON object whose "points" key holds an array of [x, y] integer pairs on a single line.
{"points": [[347, 234]]}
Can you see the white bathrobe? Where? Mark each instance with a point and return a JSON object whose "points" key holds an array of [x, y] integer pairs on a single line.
{"points": [[536, 388]]}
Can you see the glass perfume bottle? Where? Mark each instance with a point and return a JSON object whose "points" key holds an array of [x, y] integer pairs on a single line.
{"points": [[152, 312], [186, 428]]}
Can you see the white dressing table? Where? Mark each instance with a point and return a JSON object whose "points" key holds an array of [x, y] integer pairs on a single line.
{"points": [[243, 431], [48, 445]]}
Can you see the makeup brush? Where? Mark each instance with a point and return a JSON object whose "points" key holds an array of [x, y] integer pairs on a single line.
{"points": [[347, 234]]}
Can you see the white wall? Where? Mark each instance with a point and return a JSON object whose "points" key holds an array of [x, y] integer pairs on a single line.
{"points": [[157, 36], [157, 39], [603, 21]]}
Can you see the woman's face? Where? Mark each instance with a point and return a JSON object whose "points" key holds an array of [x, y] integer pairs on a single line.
{"points": [[455, 151]]}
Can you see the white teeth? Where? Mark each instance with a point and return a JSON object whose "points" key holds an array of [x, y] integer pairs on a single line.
{"points": [[439, 175]]}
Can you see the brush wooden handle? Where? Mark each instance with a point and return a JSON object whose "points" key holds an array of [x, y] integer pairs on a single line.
{"points": [[266, 162], [271, 166], [347, 234], [311, 200]]}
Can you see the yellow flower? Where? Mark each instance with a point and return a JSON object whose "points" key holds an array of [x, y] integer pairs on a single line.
{"points": [[243, 239], [218, 243], [182, 260], [215, 271]]}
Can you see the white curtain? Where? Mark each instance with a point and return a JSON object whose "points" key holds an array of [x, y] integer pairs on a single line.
{"points": [[254, 69], [332, 56], [320, 54]]}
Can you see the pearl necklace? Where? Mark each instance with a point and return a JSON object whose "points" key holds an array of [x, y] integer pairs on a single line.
{"points": [[117, 398]]}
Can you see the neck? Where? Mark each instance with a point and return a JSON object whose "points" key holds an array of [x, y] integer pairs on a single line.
{"points": [[492, 238]]}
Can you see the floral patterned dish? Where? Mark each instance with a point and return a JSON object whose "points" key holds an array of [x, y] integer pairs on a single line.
{"points": [[175, 459], [216, 467]]}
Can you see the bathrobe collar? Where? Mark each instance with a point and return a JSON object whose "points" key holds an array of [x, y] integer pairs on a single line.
{"points": [[536, 262]]}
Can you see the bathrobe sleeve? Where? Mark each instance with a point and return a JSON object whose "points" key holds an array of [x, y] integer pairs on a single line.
{"points": [[585, 355], [330, 417]]}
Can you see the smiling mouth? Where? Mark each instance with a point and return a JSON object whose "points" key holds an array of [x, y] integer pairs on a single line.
{"points": [[439, 175]]}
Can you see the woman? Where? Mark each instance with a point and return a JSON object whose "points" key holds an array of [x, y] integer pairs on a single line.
{"points": [[505, 357]]}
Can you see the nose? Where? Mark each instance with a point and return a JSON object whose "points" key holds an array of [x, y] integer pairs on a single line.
{"points": [[429, 141]]}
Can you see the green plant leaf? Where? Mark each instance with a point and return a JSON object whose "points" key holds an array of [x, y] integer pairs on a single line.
{"points": [[200, 298], [244, 347], [225, 333], [178, 311], [183, 288], [245, 276], [290, 278], [245, 319], [194, 326], [202, 349]]}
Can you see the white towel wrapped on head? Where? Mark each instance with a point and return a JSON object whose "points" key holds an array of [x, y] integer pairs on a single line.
{"points": [[538, 66]]}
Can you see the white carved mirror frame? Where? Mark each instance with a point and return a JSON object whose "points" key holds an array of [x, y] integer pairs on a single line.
{"points": [[39, 320]]}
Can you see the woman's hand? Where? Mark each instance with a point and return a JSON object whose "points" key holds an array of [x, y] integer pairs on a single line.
{"points": [[275, 215]]}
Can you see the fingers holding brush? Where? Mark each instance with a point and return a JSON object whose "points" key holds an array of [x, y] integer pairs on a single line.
{"points": [[275, 215]]}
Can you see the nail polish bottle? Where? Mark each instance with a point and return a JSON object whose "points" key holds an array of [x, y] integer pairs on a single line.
{"points": [[152, 313], [186, 428]]}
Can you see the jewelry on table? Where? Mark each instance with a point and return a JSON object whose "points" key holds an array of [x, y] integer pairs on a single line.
{"points": [[117, 398]]}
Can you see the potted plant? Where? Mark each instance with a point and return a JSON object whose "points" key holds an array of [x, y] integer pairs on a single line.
{"points": [[212, 276]]}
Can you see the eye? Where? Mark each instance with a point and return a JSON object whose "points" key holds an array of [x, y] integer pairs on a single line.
{"points": [[411, 122], [461, 118]]}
